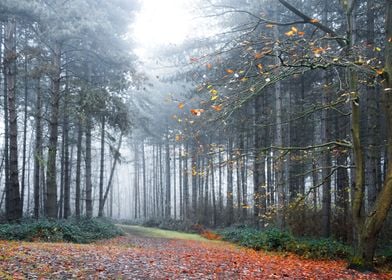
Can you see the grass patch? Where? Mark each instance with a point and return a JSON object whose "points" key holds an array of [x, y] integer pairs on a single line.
{"points": [[77, 231], [160, 233]]}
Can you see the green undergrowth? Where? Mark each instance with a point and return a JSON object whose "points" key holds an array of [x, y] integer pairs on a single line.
{"points": [[276, 240], [73, 230]]}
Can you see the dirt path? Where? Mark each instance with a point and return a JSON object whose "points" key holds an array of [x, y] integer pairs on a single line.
{"points": [[149, 254]]}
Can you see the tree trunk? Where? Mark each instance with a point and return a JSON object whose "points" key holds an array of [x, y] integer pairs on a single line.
{"points": [[259, 184], [144, 182], [102, 167], [116, 156], [51, 184], [78, 168], [14, 209], [6, 131], [89, 187], [229, 193], [25, 82], [67, 181], [168, 186], [186, 182], [368, 227], [38, 157]]}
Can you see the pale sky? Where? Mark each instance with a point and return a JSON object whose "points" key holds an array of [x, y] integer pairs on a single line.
{"points": [[162, 22]]}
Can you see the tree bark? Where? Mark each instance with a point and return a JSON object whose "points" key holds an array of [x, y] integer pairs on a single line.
{"points": [[89, 190], [14, 207], [51, 184], [38, 157], [78, 168]]}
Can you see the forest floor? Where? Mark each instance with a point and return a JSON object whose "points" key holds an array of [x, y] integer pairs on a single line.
{"points": [[145, 253]]}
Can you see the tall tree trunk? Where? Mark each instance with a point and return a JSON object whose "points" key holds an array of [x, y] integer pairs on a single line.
{"points": [[38, 157], [102, 167], [168, 186], [6, 127], [89, 187], [213, 195], [78, 168], [51, 184], [186, 182], [14, 209], [67, 181], [279, 156], [136, 180], [229, 193], [259, 184], [180, 183], [144, 182], [25, 82], [368, 227], [194, 181], [174, 182], [116, 157]]}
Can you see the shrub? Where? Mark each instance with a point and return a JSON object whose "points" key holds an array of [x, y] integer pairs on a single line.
{"points": [[78, 231], [276, 240]]}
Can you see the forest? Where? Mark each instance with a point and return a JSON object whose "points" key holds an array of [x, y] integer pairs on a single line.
{"points": [[239, 120]]}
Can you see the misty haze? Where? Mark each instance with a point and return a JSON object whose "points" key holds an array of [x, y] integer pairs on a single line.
{"points": [[200, 139]]}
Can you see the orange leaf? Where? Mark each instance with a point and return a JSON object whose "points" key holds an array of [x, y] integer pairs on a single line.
{"points": [[217, 107], [313, 20], [379, 71], [258, 55], [209, 66], [229, 71], [181, 105], [301, 33], [178, 137], [197, 112], [294, 29]]}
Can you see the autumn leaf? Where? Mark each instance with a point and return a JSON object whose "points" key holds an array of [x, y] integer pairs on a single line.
{"points": [[181, 105], [214, 92], [217, 107], [197, 112], [269, 25], [314, 20], [258, 55], [260, 66], [290, 33], [214, 97], [301, 33], [178, 137], [229, 71], [379, 71], [209, 66], [294, 29]]}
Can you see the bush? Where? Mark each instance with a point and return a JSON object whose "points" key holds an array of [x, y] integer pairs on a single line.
{"points": [[276, 240], [77, 231]]}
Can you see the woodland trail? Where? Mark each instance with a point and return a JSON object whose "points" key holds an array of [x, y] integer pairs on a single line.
{"points": [[155, 256]]}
